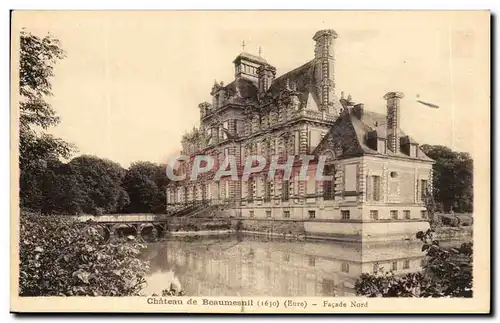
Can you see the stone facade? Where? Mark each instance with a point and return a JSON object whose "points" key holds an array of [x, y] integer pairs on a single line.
{"points": [[379, 173]]}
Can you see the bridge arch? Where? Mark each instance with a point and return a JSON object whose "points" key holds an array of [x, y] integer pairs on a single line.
{"points": [[150, 232], [105, 231], [123, 230]]}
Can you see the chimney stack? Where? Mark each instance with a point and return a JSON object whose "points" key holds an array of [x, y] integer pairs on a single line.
{"points": [[393, 120], [324, 56], [266, 74]]}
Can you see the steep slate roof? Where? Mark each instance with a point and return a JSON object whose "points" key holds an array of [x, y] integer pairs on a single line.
{"points": [[301, 80], [360, 128], [245, 89], [250, 57]]}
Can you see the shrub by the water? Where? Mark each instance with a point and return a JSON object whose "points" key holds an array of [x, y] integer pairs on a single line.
{"points": [[447, 273], [62, 257]]}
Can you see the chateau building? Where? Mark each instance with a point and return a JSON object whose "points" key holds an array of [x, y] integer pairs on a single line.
{"points": [[379, 174]]}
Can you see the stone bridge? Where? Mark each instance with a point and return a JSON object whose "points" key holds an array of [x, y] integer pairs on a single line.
{"points": [[147, 227], [151, 227]]}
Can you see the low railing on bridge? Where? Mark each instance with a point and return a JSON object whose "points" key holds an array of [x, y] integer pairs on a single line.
{"points": [[120, 218]]}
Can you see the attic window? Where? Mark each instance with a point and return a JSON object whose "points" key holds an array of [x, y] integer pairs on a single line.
{"points": [[394, 174]]}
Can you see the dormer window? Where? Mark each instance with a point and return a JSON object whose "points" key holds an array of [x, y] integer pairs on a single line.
{"points": [[246, 65], [413, 150], [409, 147]]}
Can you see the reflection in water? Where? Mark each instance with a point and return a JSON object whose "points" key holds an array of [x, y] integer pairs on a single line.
{"points": [[248, 266]]}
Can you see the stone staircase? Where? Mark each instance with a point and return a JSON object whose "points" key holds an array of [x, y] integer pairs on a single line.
{"points": [[195, 210]]}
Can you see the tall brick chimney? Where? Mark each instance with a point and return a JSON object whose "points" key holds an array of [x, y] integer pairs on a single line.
{"points": [[324, 56], [393, 120]]}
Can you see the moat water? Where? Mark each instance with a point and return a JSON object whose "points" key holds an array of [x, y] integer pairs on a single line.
{"points": [[259, 266]]}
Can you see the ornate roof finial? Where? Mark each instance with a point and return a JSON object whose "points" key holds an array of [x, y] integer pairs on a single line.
{"points": [[243, 46], [349, 98], [342, 94], [260, 51]]}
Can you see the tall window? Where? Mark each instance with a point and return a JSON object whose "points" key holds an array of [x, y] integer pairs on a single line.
{"points": [[203, 192], [250, 190], [268, 149], [185, 194], [376, 188], [345, 214], [286, 257], [327, 190], [285, 191], [423, 189], [312, 261], [328, 185], [267, 190]]}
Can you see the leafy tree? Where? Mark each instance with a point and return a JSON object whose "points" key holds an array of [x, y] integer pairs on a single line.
{"points": [[61, 257], [37, 59], [145, 183], [453, 181], [448, 272], [98, 185]]}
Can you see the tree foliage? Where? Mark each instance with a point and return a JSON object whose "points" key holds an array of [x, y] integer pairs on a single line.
{"points": [[453, 179], [60, 257], [36, 148], [145, 183], [37, 59], [99, 183], [447, 273]]}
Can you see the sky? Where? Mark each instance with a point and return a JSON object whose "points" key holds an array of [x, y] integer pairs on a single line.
{"points": [[132, 81]]}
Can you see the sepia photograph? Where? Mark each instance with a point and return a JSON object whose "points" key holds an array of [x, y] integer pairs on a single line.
{"points": [[250, 161]]}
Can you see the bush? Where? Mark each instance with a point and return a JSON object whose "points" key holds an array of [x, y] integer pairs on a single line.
{"points": [[447, 272], [171, 292], [62, 257]]}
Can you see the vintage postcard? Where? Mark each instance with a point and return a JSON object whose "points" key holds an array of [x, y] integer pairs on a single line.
{"points": [[250, 161]]}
